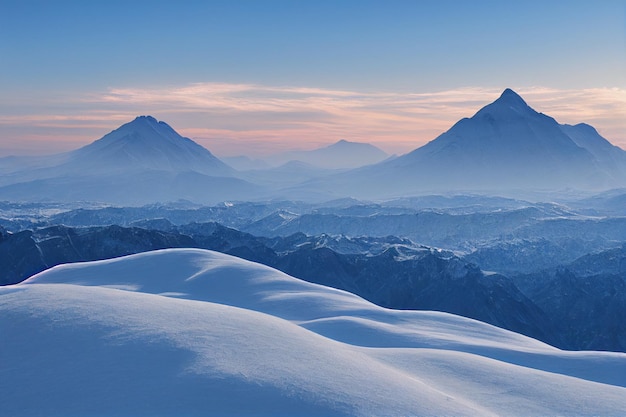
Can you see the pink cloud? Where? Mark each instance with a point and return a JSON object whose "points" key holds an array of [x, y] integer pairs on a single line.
{"points": [[233, 118]]}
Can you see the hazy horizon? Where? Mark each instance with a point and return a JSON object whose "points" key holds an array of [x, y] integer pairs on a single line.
{"points": [[257, 78]]}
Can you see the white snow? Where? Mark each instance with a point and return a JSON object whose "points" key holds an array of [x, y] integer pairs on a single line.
{"points": [[194, 332]]}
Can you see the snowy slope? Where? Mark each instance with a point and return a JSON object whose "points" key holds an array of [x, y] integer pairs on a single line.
{"points": [[193, 332], [612, 158]]}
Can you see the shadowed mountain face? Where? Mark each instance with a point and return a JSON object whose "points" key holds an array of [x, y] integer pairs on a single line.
{"points": [[505, 147], [28, 252], [586, 299]]}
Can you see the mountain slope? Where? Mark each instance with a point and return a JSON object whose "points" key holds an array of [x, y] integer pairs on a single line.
{"points": [[611, 157], [191, 332], [586, 298]]}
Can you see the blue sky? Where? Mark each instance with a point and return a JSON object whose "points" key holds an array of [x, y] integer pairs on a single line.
{"points": [[270, 75]]}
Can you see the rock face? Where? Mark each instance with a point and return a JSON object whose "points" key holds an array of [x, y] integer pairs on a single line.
{"points": [[585, 299], [19, 257], [26, 253]]}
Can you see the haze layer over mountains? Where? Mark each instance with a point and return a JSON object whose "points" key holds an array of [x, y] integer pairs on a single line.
{"points": [[506, 148]]}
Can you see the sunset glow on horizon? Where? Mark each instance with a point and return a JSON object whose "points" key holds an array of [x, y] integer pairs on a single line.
{"points": [[258, 120], [256, 78]]}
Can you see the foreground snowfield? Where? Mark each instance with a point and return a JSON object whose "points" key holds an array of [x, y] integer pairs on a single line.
{"points": [[187, 332]]}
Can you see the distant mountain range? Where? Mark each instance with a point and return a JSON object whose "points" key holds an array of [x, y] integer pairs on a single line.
{"points": [[574, 305], [340, 155], [506, 148]]}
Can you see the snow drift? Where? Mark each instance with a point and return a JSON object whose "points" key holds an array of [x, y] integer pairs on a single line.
{"points": [[194, 332]]}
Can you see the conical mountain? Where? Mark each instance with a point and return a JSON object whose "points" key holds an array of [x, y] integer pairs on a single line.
{"points": [[143, 161], [505, 144], [148, 144], [504, 148]]}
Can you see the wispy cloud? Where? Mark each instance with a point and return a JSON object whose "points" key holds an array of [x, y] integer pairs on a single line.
{"points": [[239, 118]]}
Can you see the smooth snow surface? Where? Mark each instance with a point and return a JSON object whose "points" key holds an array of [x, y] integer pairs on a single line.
{"points": [[185, 332]]}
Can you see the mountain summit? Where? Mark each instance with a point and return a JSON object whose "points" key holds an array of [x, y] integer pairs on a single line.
{"points": [[509, 103], [512, 99], [146, 143]]}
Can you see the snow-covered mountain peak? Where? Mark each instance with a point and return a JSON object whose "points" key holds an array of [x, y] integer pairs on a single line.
{"points": [[146, 143], [586, 126], [509, 104], [506, 129], [148, 129], [512, 99], [158, 126], [511, 95], [146, 118]]}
